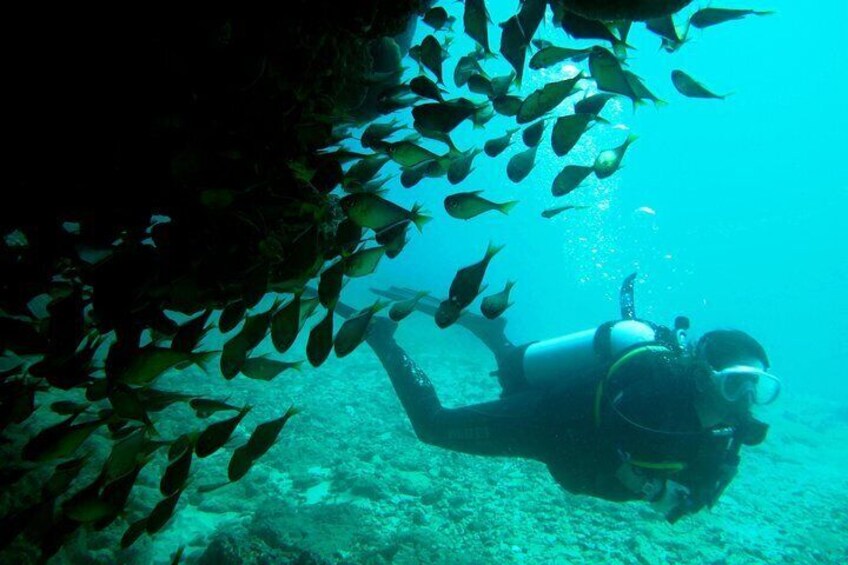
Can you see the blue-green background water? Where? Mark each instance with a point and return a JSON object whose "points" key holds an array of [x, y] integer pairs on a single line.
{"points": [[749, 194]]}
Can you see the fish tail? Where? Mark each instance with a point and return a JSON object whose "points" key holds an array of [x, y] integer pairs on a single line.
{"points": [[212, 487], [623, 45], [506, 207], [150, 428], [493, 250], [419, 219], [204, 359], [481, 52]]}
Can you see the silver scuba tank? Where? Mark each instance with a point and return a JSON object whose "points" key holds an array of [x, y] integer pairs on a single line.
{"points": [[572, 356]]}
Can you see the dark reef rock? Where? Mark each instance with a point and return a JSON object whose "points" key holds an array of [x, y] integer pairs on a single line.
{"points": [[197, 120], [168, 163], [224, 549], [240, 548]]}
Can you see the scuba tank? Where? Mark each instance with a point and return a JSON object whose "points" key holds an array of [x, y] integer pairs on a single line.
{"points": [[574, 355], [586, 352]]}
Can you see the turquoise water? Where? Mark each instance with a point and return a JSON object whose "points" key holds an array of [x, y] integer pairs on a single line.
{"points": [[748, 193], [748, 196]]}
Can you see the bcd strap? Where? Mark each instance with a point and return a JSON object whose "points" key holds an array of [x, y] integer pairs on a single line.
{"points": [[660, 467], [616, 366], [668, 466]]}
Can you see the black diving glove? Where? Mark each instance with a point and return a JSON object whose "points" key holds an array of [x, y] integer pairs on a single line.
{"points": [[684, 506], [674, 501]]}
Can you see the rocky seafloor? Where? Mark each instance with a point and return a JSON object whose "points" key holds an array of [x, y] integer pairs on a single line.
{"points": [[348, 482]]}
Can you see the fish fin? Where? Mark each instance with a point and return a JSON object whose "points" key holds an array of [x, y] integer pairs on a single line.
{"points": [[379, 305], [211, 487], [151, 429], [506, 207], [489, 55], [292, 410], [426, 304], [493, 249], [419, 219], [204, 359]]}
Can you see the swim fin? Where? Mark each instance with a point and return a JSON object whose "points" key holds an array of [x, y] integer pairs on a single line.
{"points": [[490, 332]]}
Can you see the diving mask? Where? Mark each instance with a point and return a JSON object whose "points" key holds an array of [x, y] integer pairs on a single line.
{"points": [[739, 380]]}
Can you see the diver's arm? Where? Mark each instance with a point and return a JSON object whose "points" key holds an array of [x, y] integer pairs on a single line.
{"points": [[704, 485], [686, 493], [670, 498], [511, 426]]}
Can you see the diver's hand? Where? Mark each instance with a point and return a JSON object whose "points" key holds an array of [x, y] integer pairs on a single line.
{"points": [[673, 502]]}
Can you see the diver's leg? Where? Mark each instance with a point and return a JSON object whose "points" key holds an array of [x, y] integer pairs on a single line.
{"points": [[508, 427], [490, 332], [399, 366], [412, 386], [510, 371]]}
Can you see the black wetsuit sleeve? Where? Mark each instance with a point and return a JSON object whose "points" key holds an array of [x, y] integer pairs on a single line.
{"points": [[511, 426]]}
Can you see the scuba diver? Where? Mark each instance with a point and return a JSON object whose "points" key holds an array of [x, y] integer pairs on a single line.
{"points": [[626, 411]]}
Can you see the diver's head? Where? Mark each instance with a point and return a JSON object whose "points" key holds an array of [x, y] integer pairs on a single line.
{"points": [[734, 377]]}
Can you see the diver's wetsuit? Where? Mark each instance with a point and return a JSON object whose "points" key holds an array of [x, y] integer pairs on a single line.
{"points": [[554, 425]]}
